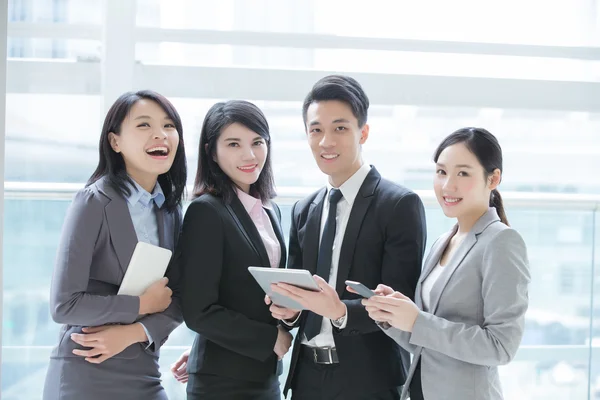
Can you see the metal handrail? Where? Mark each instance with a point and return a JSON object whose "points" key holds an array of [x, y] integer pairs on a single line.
{"points": [[290, 194]]}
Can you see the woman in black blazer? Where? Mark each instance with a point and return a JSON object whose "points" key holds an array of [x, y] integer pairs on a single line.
{"points": [[231, 225]]}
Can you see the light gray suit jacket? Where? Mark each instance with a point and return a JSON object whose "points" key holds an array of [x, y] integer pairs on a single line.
{"points": [[98, 239], [477, 313]]}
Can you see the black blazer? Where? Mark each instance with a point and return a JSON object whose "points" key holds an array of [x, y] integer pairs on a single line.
{"points": [[220, 300], [384, 243]]}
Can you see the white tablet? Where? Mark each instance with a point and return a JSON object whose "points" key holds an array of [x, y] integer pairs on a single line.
{"points": [[148, 264], [297, 277]]}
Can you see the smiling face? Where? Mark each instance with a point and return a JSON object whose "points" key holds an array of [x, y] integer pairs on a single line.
{"points": [[461, 184], [335, 139], [241, 154], [147, 141]]}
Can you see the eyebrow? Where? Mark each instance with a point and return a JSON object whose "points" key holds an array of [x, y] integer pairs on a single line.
{"points": [[148, 117], [239, 140], [456, 166], [339, 120]]}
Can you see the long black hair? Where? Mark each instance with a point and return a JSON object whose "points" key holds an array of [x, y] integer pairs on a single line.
{"points": [[112, 165], [486, 148], [210, 178]]}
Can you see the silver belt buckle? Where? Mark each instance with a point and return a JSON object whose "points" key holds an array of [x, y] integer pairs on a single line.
{"points": [[328, 350]]}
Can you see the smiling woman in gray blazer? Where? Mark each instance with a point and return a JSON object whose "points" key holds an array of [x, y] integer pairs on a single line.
{"points": [[472, 296], [109, 344]]}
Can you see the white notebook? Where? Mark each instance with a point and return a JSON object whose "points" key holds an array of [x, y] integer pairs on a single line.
{"points": [[148, 264]]}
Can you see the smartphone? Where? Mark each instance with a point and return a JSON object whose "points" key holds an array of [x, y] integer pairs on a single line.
{"points": [[361, 289]]}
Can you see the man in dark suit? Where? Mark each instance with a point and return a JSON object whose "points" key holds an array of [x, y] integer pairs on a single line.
{"points": [[360, 227]]}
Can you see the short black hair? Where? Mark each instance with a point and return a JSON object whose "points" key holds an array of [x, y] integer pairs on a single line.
{"points": [[112, 165], [341, 88], [210, 178]]}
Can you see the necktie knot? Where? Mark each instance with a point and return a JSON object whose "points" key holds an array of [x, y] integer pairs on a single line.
{"points": [[334, 196]]}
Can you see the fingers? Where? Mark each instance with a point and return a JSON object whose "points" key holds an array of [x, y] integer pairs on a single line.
{"points": [[399, 295], [98, 360], [390, 305], [179, 370], [280, 312], [95, 329], [287, 290], [321, 282], [164, 280], [176, 365], [87, 353], [86, 340], [325, 286], [348, 288], [181, 376], [290, 291], [267, 299], [283, 313], [390, 299], [383, 290], [380, 316]]}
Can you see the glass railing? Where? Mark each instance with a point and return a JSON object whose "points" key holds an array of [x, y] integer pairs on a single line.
{"points": [[555, 361]]}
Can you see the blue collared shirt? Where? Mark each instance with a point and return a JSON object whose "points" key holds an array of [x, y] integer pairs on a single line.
{"points": [[141, 208], [143, 215]]}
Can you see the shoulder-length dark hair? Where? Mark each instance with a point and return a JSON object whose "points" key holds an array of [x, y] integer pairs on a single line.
{"points": [[112, 165], [486, 148], [210, 178]]}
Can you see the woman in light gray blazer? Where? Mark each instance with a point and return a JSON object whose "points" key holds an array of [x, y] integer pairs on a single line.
{"points": [[109, 344], [471, 298]]}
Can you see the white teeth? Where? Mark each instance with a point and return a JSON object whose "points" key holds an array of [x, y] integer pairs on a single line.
{"points": [[451, 199], [164, 149], [330, 156], [247, 168]]}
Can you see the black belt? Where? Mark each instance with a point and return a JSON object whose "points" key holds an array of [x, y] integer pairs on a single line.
{"points": [[321, 355]]}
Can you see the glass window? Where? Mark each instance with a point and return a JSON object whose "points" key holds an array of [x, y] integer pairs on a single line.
{"points": [[58, 89]]}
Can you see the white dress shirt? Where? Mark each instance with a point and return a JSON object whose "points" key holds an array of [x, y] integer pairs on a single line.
{"points": [[349, 191]]}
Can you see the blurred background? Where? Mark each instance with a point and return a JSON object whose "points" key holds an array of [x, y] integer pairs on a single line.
{"points": [[527, 70]]}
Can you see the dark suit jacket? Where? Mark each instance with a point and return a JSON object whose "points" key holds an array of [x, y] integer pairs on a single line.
{"points": [[221, 301], [97, 242], [384, 243]]}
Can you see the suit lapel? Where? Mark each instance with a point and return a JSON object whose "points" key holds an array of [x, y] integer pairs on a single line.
{"points": [[310, 247], [248, 229], [459, 255], [276, 224], [455, 260], [120, 225], [436, 253], [357, 215]]}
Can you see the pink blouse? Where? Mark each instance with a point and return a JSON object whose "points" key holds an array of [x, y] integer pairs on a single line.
{"points": [[259, 216]]}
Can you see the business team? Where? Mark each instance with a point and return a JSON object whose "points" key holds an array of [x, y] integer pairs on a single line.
{"points": [[460, 314]]}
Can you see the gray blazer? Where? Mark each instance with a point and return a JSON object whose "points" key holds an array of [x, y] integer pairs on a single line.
{"points": [[477, 314], [98, 239]]}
